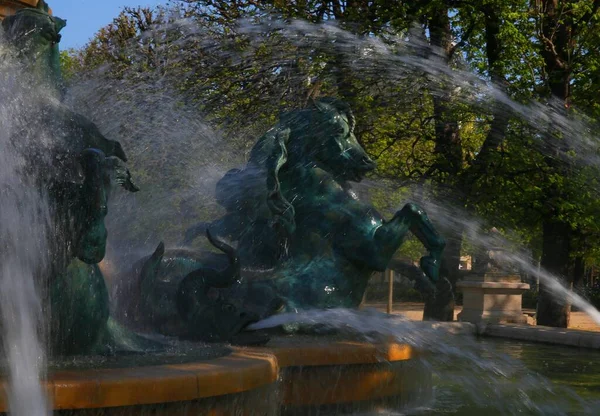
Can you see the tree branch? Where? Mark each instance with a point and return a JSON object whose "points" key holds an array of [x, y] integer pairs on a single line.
{"points": [[466, 35]]}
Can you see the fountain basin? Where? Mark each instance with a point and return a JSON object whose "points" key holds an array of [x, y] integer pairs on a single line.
{"points": [[293, 375], [319, 376]]}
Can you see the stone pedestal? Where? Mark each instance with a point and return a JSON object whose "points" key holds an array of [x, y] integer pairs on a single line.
{"points": [[492, 297]]}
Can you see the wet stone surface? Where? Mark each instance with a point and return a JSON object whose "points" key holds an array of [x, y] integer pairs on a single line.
{"points": [[179, 353]]}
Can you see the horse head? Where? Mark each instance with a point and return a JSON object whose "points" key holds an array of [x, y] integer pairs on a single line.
{"points": [[79, 194], [318, 137], [324, 134], [321, 136]]}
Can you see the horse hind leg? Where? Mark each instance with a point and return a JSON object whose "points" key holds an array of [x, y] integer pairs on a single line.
{"points": [[419, 224]]}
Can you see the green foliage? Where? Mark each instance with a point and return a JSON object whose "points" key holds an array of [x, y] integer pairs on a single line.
{"points": [[592, 294], [530, 298], [70, 64], [242, 81]]}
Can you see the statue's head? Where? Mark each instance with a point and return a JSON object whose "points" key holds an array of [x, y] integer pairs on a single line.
{"points": [[324, 134], [321, 136], [36, 34]]}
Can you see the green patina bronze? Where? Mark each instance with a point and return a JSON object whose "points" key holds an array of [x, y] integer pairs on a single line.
{"points": [[292, 210], [36, 34], [174, 293], [76, 170], [81, 322], [304, 238], [82, 286]]}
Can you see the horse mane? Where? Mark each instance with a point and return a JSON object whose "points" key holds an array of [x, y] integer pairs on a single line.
{"points": [[282, 210], [269, 155], [340, 106]]}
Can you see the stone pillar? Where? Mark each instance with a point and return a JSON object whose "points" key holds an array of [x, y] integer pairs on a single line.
{"points": [[493, 293], [493, 297]]}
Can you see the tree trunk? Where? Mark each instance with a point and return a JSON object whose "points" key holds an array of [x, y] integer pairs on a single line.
{"points": [[459, 181], [448, 146], [500, 113], [553, 310], [451, 260], [448, 150], [578, 271], [556, 35]]}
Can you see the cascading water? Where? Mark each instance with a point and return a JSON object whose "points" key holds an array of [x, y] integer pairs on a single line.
{"points": [[491, 378], [480, 375], [477, 236], [22, 216], [145, 126], [24, 222], [171, 151]]}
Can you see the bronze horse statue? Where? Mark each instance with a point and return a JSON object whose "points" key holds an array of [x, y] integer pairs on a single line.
{"points": [[292, 211], [304, 238]]}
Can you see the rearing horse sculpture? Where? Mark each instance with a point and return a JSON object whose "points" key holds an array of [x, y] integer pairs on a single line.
{"points": [[291, 211]]}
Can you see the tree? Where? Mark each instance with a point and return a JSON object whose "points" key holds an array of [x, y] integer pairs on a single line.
{"points": [[561, 29], [401, 67]]}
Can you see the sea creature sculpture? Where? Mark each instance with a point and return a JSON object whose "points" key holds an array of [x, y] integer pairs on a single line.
{"points": [[175, 293], [291, 209]]}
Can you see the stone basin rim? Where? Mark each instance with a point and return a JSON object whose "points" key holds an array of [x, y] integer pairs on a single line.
{"points": [[115, 387], [245, 369]]}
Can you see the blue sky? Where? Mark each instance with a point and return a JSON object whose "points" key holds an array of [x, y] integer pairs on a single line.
{"points": [[85, 17]]}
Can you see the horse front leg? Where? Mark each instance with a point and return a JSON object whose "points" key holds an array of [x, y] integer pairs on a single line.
{"points": [[388, 237]]}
